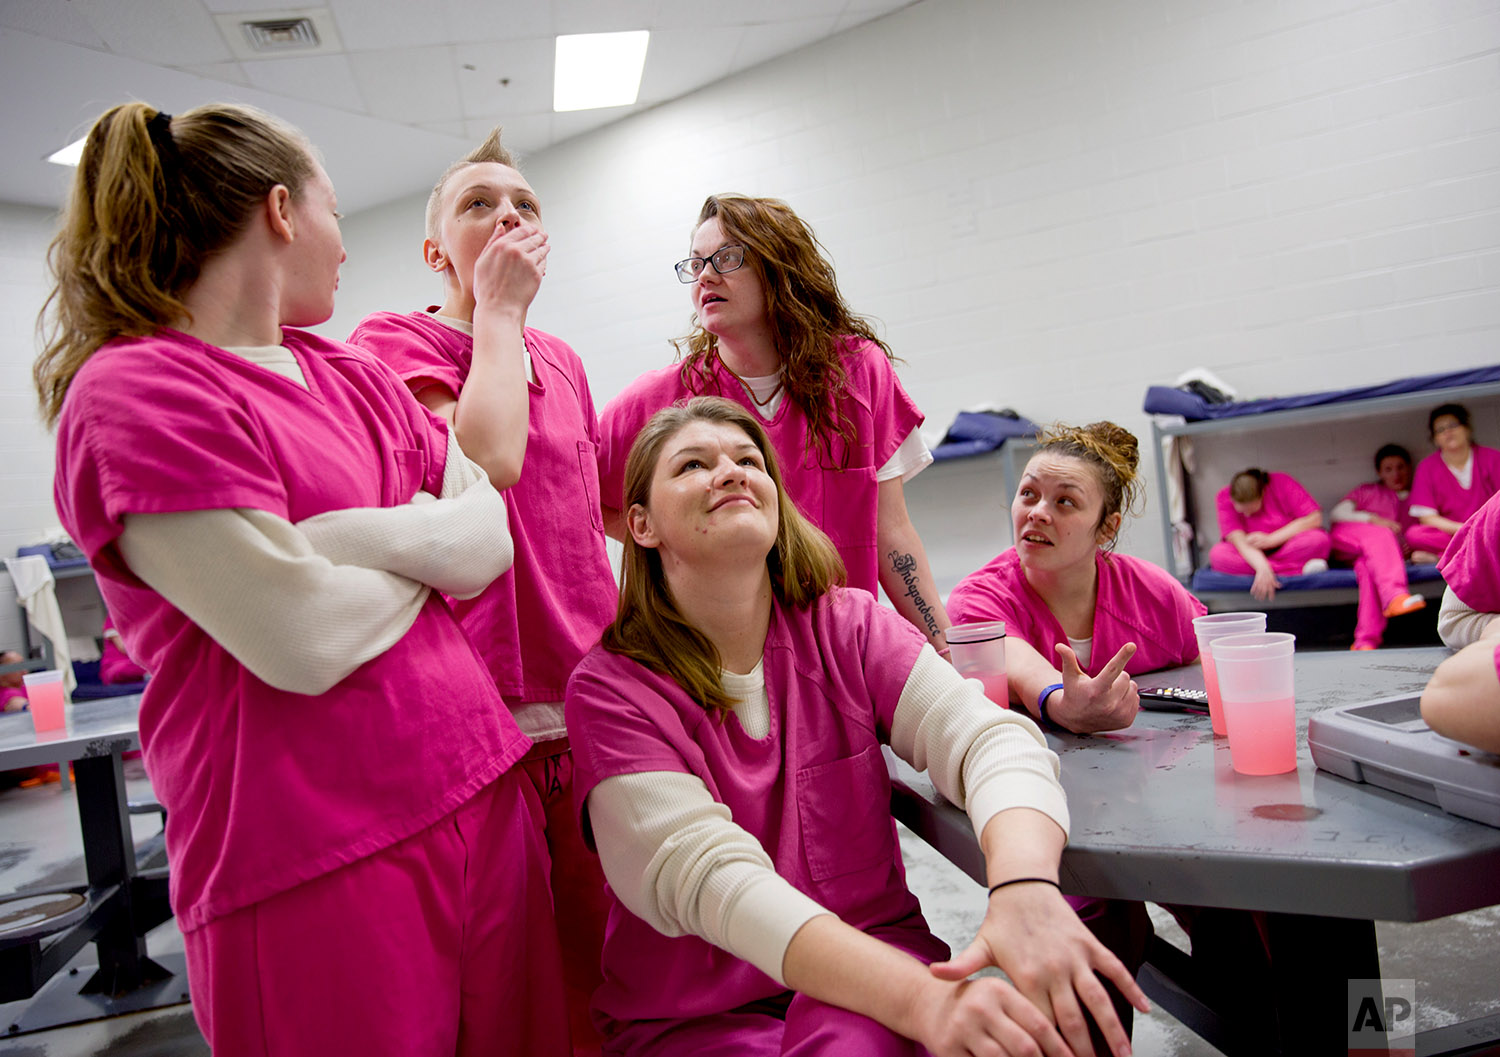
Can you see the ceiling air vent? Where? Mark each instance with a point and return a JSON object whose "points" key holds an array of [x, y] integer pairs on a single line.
{"points": [[282, 34], [289, 33]]}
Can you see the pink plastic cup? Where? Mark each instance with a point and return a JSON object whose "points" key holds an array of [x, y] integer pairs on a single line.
{"points": [[1260, 707], [978, 652], [1216, 626], [44, 694]]}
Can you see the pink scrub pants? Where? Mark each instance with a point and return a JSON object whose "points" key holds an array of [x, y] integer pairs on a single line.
{"points": [[439, 945], [1428, 538], [1286, 560], [1380, 569], [577, 882], [787, 1025]]}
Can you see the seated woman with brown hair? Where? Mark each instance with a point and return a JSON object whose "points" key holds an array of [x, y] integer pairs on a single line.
{"points": [[728, 733]]}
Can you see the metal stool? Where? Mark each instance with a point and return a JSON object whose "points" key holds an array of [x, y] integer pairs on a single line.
{"points": [[28, 918]]}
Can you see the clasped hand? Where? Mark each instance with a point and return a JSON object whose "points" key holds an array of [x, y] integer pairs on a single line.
{"points": [[1052, 959]]}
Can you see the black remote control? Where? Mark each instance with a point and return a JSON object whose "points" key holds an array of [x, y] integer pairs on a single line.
{"points": [[1173, 699]]}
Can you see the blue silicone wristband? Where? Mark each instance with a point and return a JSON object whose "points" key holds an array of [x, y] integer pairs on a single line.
{"points": [[1041, 701]]}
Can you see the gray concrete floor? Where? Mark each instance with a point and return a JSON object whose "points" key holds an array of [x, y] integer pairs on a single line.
{"points": [[1452, 960]]}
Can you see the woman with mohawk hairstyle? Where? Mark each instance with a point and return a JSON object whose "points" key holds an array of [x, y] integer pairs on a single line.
{"points": [[519, 403]]}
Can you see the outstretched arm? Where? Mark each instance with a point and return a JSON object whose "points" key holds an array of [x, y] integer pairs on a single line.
{"points": [[1085, 704]]}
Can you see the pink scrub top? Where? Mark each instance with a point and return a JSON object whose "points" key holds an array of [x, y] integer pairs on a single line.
{"points": [[1433, 484], [814, 791], [9, 695], [842, 500], [535, 622], [264, 788], [1282, 501], [1377, 499], [1471, 564], [1138, 602]]}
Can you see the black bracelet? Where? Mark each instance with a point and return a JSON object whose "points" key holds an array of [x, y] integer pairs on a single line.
{"points": [[1025, 880]]}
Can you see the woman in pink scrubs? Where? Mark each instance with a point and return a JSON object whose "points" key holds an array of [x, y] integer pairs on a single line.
{"points": [[519, 401], [355, 866], [771, 331], [1462, 700], [1451, 483], [1271, 527], [728, 734], [1080, 620], [1369, 529], [1472, 600]]}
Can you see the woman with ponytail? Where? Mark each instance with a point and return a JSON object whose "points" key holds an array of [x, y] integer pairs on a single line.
{"points": [[271, 517]]}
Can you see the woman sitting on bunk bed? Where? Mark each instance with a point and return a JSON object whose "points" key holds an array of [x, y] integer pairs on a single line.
{"points": [[1271, 527]]}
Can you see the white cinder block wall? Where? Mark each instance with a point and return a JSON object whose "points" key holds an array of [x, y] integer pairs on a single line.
{"points": [[1046, 205], [1053, 205]]}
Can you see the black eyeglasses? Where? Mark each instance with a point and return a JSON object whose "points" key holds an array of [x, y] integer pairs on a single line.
{"points": [[724, 261]]}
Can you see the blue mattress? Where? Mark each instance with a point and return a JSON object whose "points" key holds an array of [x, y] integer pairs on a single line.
{"points": [[1164, 400], [89, 687], [1213, 580], [976, 432]]}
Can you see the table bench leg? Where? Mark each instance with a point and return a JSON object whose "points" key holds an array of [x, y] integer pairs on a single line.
{"points": [[1304, 1006], [109, 856]]}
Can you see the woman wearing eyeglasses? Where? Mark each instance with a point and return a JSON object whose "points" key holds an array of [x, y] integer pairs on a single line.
{"points": [[1451, 483], [772, 332]]}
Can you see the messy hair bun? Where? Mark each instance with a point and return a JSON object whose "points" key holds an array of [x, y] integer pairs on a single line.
{"points": [[1111, 450]]}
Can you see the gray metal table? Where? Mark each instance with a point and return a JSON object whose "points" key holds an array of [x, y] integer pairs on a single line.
{"points": [[125, 900], [1158, 814]]}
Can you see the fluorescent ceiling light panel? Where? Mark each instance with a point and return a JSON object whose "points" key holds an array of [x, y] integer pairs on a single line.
{"points": [[598, 69], [69, 155]]}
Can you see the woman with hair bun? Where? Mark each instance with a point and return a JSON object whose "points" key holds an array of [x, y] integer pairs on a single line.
{"points": [[1271, 527], [1080, 620], [772, 332], [271, 517]]}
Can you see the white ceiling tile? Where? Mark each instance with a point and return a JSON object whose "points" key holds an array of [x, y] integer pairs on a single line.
{"points": [[590, 16], [763, 42], [228, 72], [788, 10], [680, 60], [525, 134], [526, 64], [326, 79], [577, 122], [47, 18], [379, 25], [410, 86], [681, 14], [403, 68], [877, 6], [479, 20], [236, 7], [166, 32]]}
